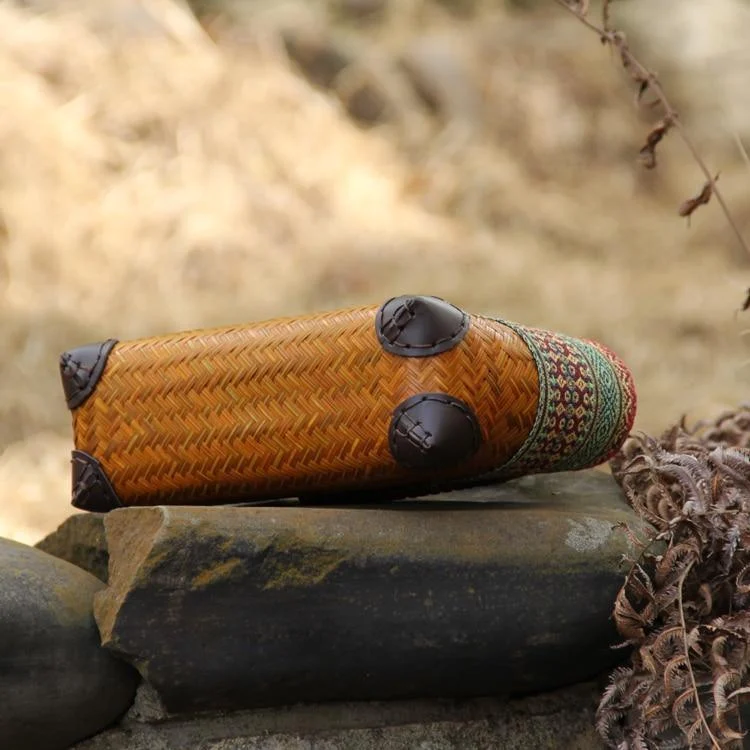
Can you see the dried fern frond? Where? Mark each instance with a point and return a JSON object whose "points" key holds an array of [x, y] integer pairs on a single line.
{"points": [[685, 607]]}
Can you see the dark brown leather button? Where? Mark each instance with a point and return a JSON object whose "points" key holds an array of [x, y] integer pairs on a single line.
{"points": [[92, 490], [81, 368], [420, 326], [432, 431]]}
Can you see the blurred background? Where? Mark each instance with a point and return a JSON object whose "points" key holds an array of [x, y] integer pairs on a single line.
{"points": [[166, 166]]}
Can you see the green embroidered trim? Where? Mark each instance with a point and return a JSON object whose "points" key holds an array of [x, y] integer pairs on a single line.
{"points": [[586, 404]]}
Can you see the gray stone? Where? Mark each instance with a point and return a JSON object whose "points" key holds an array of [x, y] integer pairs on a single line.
{"points": [[58, 685], [80, 540], [560, 720], [488, 590]]}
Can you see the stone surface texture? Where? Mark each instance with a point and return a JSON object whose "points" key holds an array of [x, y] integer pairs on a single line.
{"points": [[80, 540], [561, 720], [57, 685], [504, 589]]}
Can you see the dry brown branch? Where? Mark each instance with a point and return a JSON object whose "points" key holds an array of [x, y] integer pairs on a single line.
{"points": [[648, 152], [742, 149], [687, 208], [646, 81]]}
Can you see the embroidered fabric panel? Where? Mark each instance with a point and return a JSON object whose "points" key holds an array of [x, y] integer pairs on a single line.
{"points": [[587, 404]]}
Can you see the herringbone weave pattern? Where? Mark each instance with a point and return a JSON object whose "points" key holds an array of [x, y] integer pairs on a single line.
{"points": [[290, 406]]}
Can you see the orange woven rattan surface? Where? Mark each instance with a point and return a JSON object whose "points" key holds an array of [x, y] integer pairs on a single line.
{"points": [[289, 406]]}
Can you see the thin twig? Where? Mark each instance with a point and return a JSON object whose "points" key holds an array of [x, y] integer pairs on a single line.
{"points": [[683, 576], [648, 80], [742, 149]]}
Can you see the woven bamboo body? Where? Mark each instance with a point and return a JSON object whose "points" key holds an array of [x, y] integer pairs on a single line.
{"points": [[296, 406]]}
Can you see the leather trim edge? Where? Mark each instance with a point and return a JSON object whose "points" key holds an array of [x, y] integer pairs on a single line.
{"points": [[81, 369], [92, 490]]}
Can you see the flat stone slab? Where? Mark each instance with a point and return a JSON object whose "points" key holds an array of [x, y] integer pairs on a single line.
{"points": [[562, 720], [484, 591], [57, 684]]}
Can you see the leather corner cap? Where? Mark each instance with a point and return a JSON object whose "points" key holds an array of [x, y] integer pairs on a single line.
{"points": [[433, 431], [415, 326], [92, 490], [81, 368]]}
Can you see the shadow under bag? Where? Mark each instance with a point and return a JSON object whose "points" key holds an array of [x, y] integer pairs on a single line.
{"points": [[413, 395]]}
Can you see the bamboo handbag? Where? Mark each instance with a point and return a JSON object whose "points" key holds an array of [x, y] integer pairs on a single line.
{"points": [[412, 394]]}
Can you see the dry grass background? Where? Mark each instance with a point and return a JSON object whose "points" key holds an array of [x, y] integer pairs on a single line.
{"points": [[157, 181]]}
